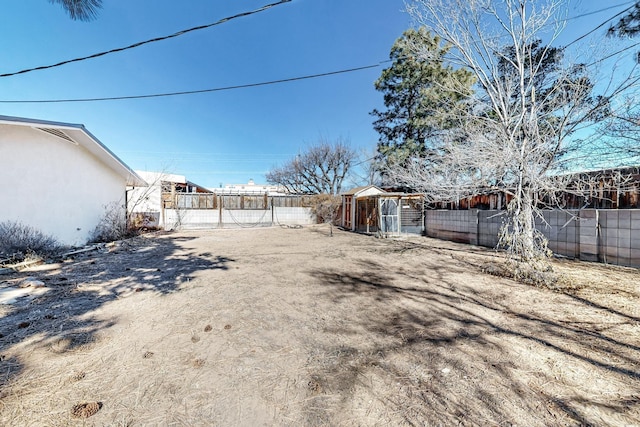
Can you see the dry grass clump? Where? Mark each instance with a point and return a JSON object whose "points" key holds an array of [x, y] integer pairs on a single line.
{"points": [[19, 241], [198, 363], [86, 410], [533, 274]]}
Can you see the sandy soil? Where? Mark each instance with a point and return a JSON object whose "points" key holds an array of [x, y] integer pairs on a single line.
{"points": [[293, 327]]}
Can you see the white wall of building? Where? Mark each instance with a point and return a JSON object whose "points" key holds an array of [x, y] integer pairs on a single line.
{"points": [[53, 185]]}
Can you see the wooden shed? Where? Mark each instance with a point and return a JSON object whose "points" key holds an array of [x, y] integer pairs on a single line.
{"points": [[370, 209]]}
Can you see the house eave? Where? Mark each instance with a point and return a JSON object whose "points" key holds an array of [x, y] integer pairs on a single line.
{"points": [[85, 139]]}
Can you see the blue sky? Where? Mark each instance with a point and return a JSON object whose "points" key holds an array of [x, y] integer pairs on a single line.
{"points": [[221, 137]]}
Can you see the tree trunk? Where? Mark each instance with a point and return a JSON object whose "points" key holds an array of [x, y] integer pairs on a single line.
{"points": [[518, 234]]}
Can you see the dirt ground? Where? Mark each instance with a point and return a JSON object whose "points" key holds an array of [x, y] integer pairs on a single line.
{"points": [[291, 327]]}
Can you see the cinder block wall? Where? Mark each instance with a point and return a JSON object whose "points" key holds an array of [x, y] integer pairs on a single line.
{"points": [[291, 216], [210, 218], [457, 226], [489, 224], [190, 218], [605, 235], [619, 238], [588, 223], [561, 229]]}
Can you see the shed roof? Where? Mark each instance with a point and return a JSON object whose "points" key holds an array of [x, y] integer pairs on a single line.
{"points": [[77, 134], [372, 189]]}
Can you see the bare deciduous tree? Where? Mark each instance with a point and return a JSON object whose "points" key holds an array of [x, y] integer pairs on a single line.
{"points": [[622, 133], [518, 134], [321, 169], [325, 207]]}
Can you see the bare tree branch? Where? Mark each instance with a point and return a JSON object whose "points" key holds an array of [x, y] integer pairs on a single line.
{"points": [[320, 170], [521, 128]]}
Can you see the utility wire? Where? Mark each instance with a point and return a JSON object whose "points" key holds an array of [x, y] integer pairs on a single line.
{"points": [[190, 92], [229, 18], [601, 10], [157, 39], [601, 25], [271, 82], [612, 55]]}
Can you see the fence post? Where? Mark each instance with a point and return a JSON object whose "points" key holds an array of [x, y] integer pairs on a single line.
{"points": [[220, 199], [477, 243], [589, 235]]}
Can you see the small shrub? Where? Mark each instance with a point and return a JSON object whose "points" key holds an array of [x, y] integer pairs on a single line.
{"points": [[326, 207], [112, 225], [18, 240], [116, 224]]}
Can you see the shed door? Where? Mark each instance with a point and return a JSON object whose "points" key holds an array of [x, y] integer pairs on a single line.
{"points": [[347, 212], [389, 216]]}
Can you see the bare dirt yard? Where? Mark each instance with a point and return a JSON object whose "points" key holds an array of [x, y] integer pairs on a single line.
{"points": [[291, 327]]}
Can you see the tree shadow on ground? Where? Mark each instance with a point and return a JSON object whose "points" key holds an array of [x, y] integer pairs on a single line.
{"points": [[61, 320], [458, 354]]}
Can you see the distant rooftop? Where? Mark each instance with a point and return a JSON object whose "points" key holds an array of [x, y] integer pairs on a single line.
{"points": [[250, 188]]}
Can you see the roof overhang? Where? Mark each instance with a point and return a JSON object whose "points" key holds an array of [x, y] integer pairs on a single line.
{"points": [[77, 134], [155, 178], [366, 190]]}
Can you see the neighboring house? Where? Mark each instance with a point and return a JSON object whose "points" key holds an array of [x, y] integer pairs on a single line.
{"points": [[251, 188], [165, 191], [617, 188], [172, 202], [59, 178]]}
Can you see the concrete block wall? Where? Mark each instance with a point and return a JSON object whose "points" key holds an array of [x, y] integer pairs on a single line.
{"points": [[246, 218], [619, 239], [635, 238], [489, 224], [457, 226], [562, 231], [588, 221], [605, 235], [190, 218], [210, 218], [293, 216]]}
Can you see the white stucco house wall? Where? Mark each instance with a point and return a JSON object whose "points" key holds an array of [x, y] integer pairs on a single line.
{"points": [[58, 178]]}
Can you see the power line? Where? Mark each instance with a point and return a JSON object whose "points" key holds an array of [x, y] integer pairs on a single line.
{"points": [[191, 92], [612, 54], [602, 10], [157, 39], [571, 18], [229, 18], [270, 82], [602, 24]]}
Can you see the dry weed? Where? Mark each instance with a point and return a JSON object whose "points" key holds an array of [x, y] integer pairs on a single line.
{"points": [[86, 410]]}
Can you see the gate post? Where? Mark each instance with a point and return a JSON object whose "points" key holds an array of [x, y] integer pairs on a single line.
{"points": [[220, 199]]}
